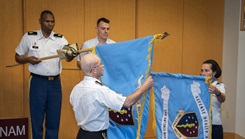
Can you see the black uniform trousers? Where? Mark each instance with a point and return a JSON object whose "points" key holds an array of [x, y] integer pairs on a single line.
{"points": [[217, 132]]}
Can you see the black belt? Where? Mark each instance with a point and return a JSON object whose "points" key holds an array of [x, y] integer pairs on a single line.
{"points": [[83, 134], [45, 77]]}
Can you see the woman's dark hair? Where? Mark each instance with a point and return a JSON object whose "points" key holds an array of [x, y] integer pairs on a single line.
{"points": [[215, 67]]}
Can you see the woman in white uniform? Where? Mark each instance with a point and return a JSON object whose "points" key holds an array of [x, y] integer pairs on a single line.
{"points": [[212, 69]]}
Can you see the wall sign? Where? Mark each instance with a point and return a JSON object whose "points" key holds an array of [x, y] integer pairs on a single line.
{"points": [[14, 128]]}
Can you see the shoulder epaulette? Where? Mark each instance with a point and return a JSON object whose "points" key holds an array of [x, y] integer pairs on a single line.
{"points": [[58, 35], [32, 33], [97, 82]]}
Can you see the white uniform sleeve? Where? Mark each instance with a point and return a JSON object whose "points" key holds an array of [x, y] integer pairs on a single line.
{"points": [[111, 99], [63, 42], [22, 48], [221, 87]]}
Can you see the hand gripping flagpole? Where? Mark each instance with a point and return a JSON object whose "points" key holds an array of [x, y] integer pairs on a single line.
{"points": [[70, 50]]}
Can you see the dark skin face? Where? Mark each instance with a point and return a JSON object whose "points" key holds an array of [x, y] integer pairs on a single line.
{"points": [[47, 23]]}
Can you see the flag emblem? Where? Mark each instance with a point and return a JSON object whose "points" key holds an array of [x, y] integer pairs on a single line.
{"points": [[186, 124], [124, 117]]}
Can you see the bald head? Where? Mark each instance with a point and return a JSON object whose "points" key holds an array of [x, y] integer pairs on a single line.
{"points": [[88, 62]]}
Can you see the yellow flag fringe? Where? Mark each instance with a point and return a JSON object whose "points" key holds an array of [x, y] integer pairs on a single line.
{"points": [[208, 81], [148, 58]]}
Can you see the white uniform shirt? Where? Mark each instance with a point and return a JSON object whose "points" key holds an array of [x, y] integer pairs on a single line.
{"points": [[39, 46], [90, 101], [216, 119], [91, 43]]}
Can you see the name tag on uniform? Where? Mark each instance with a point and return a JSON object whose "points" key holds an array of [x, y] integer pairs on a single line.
{"points": [[35, 47]]}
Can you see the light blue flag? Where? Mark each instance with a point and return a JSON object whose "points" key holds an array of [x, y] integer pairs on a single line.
{"points": [[124, 64], [181, 106]]}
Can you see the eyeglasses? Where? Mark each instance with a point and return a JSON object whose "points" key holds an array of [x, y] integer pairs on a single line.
{"points": [[96, 66]]}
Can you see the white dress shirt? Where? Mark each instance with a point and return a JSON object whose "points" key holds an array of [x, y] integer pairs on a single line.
{"points": [[37, 45], [91, 43], [216, 119], [90, 101]]}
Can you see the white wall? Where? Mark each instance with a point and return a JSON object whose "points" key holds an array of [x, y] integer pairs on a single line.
{"points": [[233, 111], [240, 104], [240, 110]]}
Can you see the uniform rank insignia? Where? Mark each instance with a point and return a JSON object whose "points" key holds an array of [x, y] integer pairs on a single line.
{"points": [[32, 33], [97, 82], [35, 47], [58, 35]]}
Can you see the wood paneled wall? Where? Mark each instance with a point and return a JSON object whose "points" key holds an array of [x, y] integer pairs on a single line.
{"points": [[161, 16], [196, 29], [202, 33], [11, 79]]}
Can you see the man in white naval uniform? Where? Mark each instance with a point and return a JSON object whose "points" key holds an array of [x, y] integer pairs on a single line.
{"points": [[91, 99]]}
